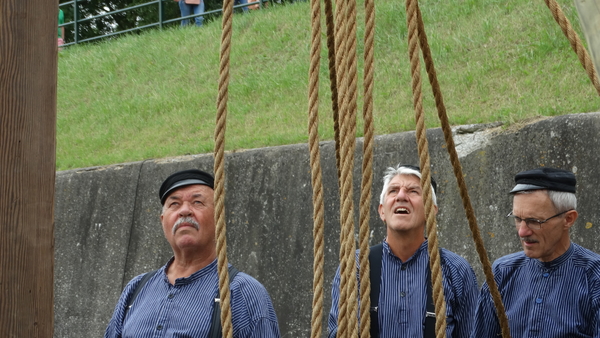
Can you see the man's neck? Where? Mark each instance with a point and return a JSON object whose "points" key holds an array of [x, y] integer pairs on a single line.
{"points": [[187, 263], [404, 245]]}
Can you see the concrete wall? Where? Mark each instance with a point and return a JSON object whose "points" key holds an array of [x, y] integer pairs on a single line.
{"points": [[108, 229]]}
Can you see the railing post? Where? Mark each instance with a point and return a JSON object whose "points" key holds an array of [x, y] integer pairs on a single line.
{"points": [[160, 14], [76, 25]]}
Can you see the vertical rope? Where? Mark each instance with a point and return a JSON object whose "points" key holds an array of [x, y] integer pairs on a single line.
{"points": [[434, 253], [316, 175], [575, 42], [351, 145], [219, 165], [367, 170], [346, 317], [470, 213], [333, 82]]}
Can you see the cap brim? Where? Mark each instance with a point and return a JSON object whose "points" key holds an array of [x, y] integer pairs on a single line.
{"points": [[179, 184], [525, 187]]}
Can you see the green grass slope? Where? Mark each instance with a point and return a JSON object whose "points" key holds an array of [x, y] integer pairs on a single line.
{"points": [[154, 95]]}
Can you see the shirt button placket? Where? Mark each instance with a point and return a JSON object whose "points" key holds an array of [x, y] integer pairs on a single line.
{"points": [[538, 311], [165, 310]]}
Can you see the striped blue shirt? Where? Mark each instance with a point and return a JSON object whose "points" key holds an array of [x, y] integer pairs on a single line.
{"points": [[560, 298], [184, 309], [403, 295]]}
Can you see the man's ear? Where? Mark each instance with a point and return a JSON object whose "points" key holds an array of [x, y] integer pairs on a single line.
{"points": [[570, 218], [381, 214]]}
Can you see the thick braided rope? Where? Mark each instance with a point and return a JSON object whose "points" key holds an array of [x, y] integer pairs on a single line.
{"points": [[434, 253], [347, 127], [351, 141], [575, 42], [315, 170], [367, 170], [219, 166], [346, 266], [441, 108], [333, 82]]}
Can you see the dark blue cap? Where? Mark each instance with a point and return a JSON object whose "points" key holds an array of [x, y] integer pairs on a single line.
{"points": [[545, 178], [182, 179]]}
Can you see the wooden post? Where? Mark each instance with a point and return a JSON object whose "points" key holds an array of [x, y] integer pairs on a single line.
{"points": [[28, 72], [589, 16]]}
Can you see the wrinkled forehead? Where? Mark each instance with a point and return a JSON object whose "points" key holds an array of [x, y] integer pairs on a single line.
{"points": [[406, 179]]}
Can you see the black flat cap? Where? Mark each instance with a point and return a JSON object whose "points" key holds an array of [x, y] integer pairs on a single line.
{"points": [[545, 178], [183, 178]]}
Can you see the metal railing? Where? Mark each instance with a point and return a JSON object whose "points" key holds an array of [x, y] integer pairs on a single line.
{"points": [[77, 21]]}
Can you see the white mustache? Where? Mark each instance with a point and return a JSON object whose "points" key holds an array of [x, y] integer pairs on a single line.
{"points": [[187, 220], [528, 239]]}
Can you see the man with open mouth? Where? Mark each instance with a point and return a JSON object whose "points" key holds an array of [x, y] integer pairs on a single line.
{"points": [[404, 307]]}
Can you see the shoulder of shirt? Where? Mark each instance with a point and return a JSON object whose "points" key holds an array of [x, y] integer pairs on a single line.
{"points": [[136, 280], [453, 259], [244, 281], [512, 260], [586, 259]]}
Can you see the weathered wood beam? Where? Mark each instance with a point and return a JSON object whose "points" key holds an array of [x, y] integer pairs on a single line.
{"points": [[28, 71]]}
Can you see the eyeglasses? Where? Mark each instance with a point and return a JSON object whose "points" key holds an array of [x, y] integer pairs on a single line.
{"points": [[531, 223]]}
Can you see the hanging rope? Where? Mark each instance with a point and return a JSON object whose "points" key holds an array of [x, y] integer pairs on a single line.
{"points": [[434, 253], [351, 146], [575, 42], [333, 83], [470, 212], [219, 165], [367, 170], [316, 175], [347, 318]]}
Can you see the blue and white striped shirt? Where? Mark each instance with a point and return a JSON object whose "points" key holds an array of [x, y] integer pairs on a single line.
{"points": [[560, 298], [403, 295], [184, 309]]}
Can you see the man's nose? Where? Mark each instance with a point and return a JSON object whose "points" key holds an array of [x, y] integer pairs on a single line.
{"points": [[185, 209], [522, 229], [401, 195]]}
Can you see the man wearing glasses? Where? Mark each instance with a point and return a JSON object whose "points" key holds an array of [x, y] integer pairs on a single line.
{"points": [[551, 288]]}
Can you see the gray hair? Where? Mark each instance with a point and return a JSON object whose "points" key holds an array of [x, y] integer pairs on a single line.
{"points": [[561, 200], [392, 172]]}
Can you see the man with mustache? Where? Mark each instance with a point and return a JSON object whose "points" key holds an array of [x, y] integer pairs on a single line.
{"points": [[550, 289], [178, 299], [401, 309]]}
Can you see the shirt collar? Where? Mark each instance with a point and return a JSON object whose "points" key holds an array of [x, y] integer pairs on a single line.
{"points": [[420, 250], [210, 268], [559, 260]]}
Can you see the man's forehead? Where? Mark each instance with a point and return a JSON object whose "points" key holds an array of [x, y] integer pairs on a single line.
{"points": [[405, 179]]}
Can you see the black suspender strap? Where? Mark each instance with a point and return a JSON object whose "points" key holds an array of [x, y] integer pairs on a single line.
{"points": [[137, 290], [429, 330], [215, 322], [375, 257]]}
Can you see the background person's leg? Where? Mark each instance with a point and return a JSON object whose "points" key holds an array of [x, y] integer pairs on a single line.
{"points": [[185, 11], [199, 9]]}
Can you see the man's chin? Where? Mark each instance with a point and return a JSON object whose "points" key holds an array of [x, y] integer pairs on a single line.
{"points": [[530, 252]]}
